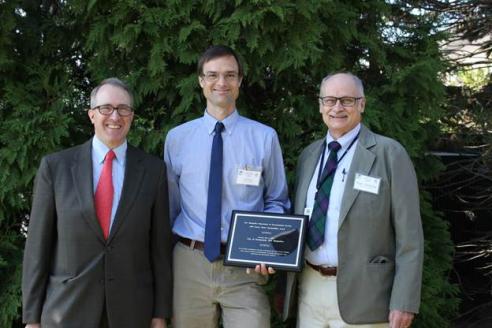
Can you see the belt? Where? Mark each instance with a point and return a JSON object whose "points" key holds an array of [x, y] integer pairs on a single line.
{"points": [[324, 271], [195, 244]]}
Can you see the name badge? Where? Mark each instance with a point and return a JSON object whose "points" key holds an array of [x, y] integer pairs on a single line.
{"points": [[249, 177], [308, 211], [367, 183]]}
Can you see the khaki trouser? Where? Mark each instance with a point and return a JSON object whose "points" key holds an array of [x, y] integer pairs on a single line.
{"points": [[318, 303], [205, 291]]}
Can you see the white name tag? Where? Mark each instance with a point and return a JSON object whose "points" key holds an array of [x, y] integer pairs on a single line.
{"points": [[367, 183], [248, 177], [308, 211]]}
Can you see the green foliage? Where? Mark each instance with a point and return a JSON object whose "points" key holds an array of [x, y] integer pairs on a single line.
{"points": [[475, 79], [439, 302], [10, 273], [53, 52]]}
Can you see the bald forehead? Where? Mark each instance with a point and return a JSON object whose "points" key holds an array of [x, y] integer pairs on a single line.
{"points": [[114, 83], [341, 82], [111, 94]]}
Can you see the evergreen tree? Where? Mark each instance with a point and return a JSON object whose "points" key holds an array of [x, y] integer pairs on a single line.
{"points": [[53, 52]]}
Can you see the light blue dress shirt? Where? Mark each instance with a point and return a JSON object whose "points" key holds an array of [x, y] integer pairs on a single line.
{"points": [[247, 144], [99, 151]]}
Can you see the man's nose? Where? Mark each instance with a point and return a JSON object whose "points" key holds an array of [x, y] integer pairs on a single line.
{"points": [[222, 79], [338, 106], [115, 115]]}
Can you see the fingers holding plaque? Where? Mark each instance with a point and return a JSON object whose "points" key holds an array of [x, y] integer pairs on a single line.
{"points": [[271, 238]]}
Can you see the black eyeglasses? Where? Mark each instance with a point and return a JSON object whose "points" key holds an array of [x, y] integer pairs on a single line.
{"points": [[344, 101], [107, 110], [214, 76]]}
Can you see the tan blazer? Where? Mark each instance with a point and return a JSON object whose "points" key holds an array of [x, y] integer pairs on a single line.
{"points": [[380, 239], [70, 272]]}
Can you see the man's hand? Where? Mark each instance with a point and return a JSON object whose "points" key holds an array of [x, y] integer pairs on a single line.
{"points": [[262, 269], [158, 323], [33, 325], [400, 319]]}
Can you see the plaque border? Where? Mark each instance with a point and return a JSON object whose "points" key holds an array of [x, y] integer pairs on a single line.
{"points": [[237, 261]]}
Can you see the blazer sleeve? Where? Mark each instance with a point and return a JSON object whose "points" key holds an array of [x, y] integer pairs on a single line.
{"points": [[39, 245], [405, 215], [161, 250]]}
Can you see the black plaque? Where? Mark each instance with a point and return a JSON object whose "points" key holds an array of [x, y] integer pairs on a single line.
{"points": [[274, 239]]}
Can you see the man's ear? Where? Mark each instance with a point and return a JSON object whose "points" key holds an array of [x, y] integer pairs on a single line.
{"points": [[200, 81], [362, 105], [91, 114]]}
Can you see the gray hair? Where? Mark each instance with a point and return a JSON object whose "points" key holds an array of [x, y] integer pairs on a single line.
{"points": [[115, 82], [357, 81]]}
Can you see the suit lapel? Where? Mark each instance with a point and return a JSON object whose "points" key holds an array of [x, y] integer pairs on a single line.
{"points": [[306, 172], [361, 163], [134, 173], [82, 180]]}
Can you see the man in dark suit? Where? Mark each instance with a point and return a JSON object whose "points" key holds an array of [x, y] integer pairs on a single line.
{"points": [[98, 251], [364, 244]]}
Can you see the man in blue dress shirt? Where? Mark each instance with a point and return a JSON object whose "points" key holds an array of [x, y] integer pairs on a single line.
{"points": [[251, 170]]}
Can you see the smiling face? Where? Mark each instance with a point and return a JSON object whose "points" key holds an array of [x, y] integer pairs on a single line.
{"points": [[339, 119], [221, 95], [111, 129]]}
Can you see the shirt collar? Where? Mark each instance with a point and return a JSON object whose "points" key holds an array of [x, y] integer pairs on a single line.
{"points": [[229, 122], [99, 149], [346, 139]]}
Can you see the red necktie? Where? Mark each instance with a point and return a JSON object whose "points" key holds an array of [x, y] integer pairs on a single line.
{"points": [[104, 194]]}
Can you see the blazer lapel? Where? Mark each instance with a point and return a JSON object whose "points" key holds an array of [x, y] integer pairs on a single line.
{"points": [[361, 163], [82, 180], [307, 168], [134, 173]]}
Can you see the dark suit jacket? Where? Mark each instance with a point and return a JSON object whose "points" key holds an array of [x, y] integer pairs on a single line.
{"points": [[380, 239], [70, 272]]}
